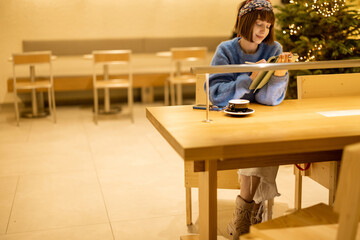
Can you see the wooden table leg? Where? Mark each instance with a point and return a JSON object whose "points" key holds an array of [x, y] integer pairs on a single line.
{"points": [[208, 201]]}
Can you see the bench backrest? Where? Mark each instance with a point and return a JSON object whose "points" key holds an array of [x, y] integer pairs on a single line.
{"points": [[137, 45], [328, 85]]}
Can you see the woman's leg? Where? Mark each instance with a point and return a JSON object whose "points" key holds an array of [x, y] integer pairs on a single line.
{"points": [[248, 186], [257, 184], [240, 224]]}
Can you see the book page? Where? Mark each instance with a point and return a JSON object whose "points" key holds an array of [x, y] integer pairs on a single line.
{"points": [[263, 75]]}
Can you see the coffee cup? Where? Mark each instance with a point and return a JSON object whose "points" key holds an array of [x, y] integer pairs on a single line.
{"points": [[238, 105]]}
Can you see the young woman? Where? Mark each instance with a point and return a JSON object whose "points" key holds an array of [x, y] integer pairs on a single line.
{"points": [[254, 43]]}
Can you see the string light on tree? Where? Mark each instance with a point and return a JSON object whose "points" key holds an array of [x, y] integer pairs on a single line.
{"points": [[293, 30], [325, 8], [319, 30]]}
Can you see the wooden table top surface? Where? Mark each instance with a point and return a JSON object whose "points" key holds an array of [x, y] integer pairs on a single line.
{"points": [[294, 126]]}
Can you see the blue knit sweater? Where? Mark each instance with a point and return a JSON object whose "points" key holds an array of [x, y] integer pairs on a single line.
{"points": [[227, 86]]}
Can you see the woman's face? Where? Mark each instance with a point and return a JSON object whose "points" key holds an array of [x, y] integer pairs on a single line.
{"points": [[260, 31]]}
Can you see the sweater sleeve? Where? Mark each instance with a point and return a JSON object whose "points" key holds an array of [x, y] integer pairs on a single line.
{"points": [[273, 92], [227, 86]]}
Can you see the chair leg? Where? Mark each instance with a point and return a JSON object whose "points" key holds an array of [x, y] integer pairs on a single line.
{"points": [[333, 181], [50, 103], [172, 93], [131, 103], [95, 106], [179, 94], [16, 109], [188, 206], [270, 205], [298, 188], [166, 93], [53, 103]]}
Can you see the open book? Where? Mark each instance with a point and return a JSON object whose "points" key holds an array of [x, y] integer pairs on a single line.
{"points": [[263, 77]]}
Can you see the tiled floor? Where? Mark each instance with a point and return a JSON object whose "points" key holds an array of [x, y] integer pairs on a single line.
{"points": [[117, 180]]}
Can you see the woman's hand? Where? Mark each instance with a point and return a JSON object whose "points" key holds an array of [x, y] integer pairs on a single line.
{"points": [[284, 57], [254, 74]]}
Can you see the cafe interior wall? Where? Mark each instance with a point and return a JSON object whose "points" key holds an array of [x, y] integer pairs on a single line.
{"points": [[93, 19]]}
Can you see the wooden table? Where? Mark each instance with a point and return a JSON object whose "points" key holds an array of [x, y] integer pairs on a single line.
{"points": [[292, 132]]}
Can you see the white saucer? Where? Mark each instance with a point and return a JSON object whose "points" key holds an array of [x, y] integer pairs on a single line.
{"points": [[248, 111]]}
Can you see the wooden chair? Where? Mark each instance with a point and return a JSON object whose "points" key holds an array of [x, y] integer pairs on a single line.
{"points": [[316, 86], [227, 179], [177, 77], [105, 59], [32, 60], [322, 221]]}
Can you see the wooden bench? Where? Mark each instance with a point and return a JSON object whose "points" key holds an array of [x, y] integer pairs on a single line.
{"points": [[317, 86], [321, 221], [74, 73]]}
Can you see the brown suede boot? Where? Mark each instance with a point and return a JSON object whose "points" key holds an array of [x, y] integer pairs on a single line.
{"points": [[240, 224], [257, 214]]}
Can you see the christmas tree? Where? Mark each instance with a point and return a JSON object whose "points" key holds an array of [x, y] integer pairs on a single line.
{"points": [[318, 30]]}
